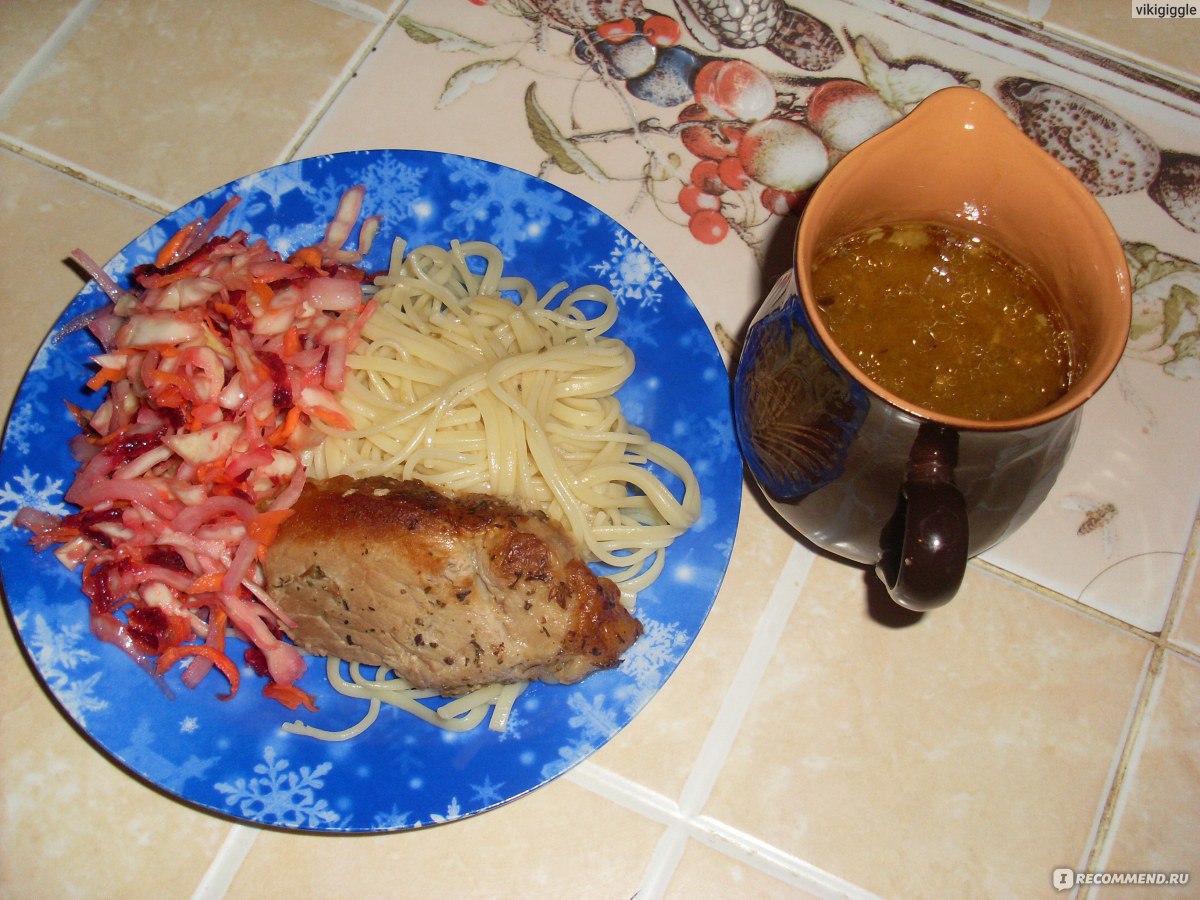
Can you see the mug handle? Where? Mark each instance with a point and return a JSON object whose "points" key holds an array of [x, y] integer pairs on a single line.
{"points": [[924, 548]]}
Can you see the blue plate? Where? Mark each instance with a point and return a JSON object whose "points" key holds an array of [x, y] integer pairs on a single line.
{"points": [[232, 758]]}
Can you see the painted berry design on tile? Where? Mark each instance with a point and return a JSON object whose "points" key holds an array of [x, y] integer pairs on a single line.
{"points": [[722, 145]]}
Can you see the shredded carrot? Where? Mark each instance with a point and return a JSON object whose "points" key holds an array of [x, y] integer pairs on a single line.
{"points": [[291, 342], [185, 386], [206, 583], [171, 397], [265, 526], [289, 695], [331, 417], [206, 473], [202, 415], [262, 291], [178, 630], [104, 376], [171, 277], [218, 659], [280, 435], [216, 628], [307, 256], [172, 247]]}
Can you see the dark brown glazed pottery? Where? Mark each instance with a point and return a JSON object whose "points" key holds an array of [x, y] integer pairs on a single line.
{"points": [[862, 472]]}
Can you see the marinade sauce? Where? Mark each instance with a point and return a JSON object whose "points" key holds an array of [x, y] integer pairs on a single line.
{"points": [[944, 319]]}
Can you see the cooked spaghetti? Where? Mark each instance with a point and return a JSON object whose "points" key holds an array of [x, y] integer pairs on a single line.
{"points": [[468, 379], [460, 714]]}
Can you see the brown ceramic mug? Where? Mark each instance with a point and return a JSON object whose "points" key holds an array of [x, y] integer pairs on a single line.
{"points": [[866, 474]]}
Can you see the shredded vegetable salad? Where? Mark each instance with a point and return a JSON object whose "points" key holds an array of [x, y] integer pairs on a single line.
{"points": [[215, 366]]}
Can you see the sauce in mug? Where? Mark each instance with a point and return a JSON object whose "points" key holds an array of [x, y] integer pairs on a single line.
{"points": [[944, 319]]}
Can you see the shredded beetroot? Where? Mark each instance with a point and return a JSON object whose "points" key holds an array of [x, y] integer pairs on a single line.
{"points": [[215, 366]]}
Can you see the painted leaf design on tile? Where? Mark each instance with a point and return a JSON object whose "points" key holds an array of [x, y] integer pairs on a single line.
{"points": [[902, 83], [466, 78], [1166, 310], [445, 39], [563, 153]]}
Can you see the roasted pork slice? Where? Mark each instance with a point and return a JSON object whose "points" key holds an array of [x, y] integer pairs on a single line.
{"points": [[450, 591]]}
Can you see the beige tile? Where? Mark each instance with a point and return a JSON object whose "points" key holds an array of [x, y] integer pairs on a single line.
{"points": [[657, 748], [1169, 43], [71, 821], [561, 840], [220, 91], [980, 738], [24, 27], [1158, 819], [43, 216], [704, 872], [1159, 43]]}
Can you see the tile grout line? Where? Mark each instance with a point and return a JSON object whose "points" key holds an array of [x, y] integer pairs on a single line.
{"points": [[44, 55], [1147, 700], [1115, 780], [351, 8], [1075, 605], [1131, 752], [717, 835], [84, 175], [384, 21], [226, 862], [725, 727], [769, 858]]}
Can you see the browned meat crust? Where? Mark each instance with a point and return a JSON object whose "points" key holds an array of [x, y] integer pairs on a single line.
{"points": [[451, 592]]}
